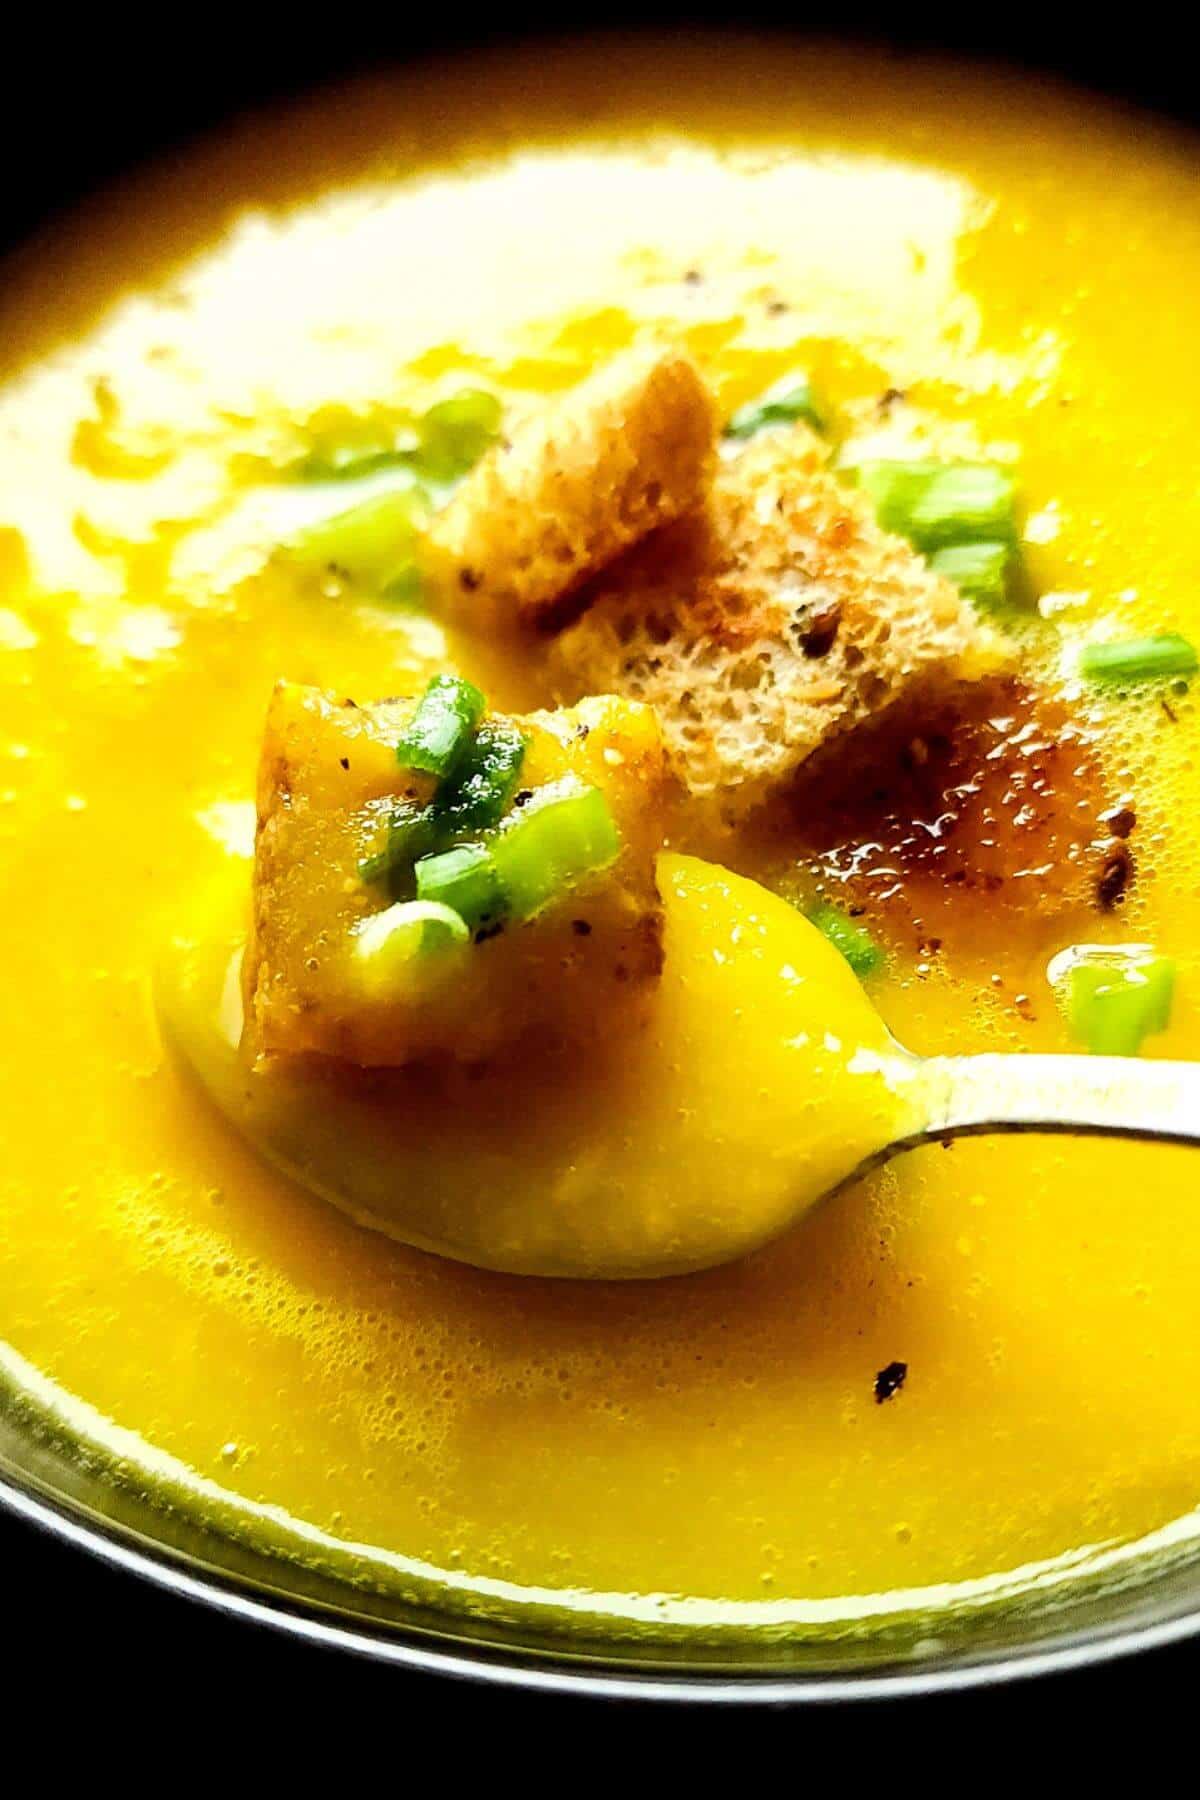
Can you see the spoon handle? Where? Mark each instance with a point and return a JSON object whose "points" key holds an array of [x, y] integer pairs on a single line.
{"points": [[1114, 1096]]}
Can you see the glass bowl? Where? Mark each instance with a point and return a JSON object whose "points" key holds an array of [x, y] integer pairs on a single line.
{"points": [[1142, 1602], [1146, 1601]]}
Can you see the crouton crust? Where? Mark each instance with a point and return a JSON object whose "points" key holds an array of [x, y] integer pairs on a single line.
{"points": [[775, 618], [628, 450]]}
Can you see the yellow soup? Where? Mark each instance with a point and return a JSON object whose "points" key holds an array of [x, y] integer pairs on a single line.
{"points": [[969, 263]]}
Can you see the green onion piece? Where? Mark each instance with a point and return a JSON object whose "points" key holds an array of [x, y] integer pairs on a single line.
{"points": [[442, 726], [978, 571], [465, 879], [374, 868], [389, 946], [1115, 1002], [564, 832], [1114, 998], [789, 400], [471, 799], [845, 934], [455, 433], [963, 503], [351, 462], [413, 831], [938, 503], [892, 488], [1138, 659], [406, 589], [375, 541], [474, 797]]}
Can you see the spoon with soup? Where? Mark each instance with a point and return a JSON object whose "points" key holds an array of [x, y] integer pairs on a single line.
{"points": [[764, 1082]]}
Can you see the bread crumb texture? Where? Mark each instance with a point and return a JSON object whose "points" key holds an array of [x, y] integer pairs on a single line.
{"points": [[771, 620], [629, 450]]}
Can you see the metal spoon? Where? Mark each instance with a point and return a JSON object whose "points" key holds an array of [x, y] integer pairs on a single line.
{"points": [[1071, 1096]]}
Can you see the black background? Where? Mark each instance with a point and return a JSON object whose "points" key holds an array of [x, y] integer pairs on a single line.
{"points": [[83, 100]]}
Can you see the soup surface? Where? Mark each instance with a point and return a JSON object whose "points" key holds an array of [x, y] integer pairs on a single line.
{"points": [[963, 260]]}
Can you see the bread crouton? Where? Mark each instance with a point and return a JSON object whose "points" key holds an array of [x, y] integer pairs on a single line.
{"points": [[629, 449], [329, 782], [775, 618]]}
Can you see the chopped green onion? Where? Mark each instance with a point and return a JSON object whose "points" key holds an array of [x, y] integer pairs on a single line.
{"points": [[465, 879], [388, 944], [978, 571], [893, 488], [845, 934], [564, 832], [375, 868], [789, 400], [476, 794], [1118, 999], [374, 541], [351, 462], [407, 588], [455, 433], [413, 831], [447, 441], [934, 504], [963, 503], [442, 726], [1114, 996], [1138, 659]]}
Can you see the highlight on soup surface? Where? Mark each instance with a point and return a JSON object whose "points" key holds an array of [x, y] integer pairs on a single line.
{"points": [[536, 644]]}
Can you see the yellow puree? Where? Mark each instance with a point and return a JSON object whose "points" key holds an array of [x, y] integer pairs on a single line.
{"points": [[1025, 265]]}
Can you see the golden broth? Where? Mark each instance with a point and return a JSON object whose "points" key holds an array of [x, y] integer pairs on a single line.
{"points": [[1023, 264]]}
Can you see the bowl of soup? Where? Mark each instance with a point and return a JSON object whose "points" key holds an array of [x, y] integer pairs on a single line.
{"points": [[467, 574]]}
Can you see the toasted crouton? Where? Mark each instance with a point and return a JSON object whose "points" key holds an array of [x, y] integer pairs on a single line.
{"points": [[776, 617], [626, 451], [328, 782]]}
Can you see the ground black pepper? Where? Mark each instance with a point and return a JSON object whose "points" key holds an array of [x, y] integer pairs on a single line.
{"points": [[889, 1381], [1116, 872]]}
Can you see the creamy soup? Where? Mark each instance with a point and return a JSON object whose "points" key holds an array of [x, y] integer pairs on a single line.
{"points": [[972, 1373]]}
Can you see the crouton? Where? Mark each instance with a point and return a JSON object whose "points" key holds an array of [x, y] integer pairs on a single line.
{"points": [[775, 618], [628, 450], [329, 782]]}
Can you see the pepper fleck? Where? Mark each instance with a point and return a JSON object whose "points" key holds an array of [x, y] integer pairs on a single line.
{"points": [[1115, 875], [889, 1381], [1121, 821]]}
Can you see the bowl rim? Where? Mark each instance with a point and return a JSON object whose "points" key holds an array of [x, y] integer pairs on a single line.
{"points": [[509, 1669]]}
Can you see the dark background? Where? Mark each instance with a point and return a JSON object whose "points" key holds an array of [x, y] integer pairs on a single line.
{"points": [[84, 100], [85, 97]]}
